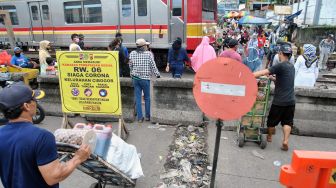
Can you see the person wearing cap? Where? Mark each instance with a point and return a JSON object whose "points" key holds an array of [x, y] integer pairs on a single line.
{"points": [[74, 45], [283, 104], [28, 154], [142, 67], [203, 53], [326, 47], [306, 67], [232, 51], [177, 56], [21, 60]]}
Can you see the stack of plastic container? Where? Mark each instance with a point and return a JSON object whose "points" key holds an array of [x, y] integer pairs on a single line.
{"points": [[104, 134]]}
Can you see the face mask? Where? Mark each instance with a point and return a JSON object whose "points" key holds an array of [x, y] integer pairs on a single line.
{"points": [[17, 54]]}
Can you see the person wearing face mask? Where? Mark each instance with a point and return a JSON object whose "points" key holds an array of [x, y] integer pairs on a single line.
{"points": [[43, 55], [74, 45], [21, 60], [177, 56], [142, 66]]}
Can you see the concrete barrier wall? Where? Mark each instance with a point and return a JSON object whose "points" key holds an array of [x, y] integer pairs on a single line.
{"points": [[315, 112], [313, 35], [173, 102]]}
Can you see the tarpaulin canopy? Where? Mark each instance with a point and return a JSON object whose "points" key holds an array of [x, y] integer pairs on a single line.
{"points": [[253, 20]]}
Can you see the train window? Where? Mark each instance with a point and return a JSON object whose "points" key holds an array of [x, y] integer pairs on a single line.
{"points": [[209, 5], [92, 11], [12, 14], [45, 12], [142, 7], [34, 12], [126, 8], [177, 7], [73, 12]]}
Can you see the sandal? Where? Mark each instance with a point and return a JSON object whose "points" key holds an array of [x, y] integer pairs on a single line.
{"points": [[269, 138], [284, 147]]}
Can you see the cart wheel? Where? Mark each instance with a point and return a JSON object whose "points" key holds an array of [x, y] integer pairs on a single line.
{"points": [[263, 142], [96, 185], [241, 140]]}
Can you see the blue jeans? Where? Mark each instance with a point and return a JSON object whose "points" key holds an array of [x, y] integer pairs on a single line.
{"points": [[177, 70], [139, 86]]}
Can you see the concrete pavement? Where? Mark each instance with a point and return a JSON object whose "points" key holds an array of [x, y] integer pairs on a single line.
{"points": [[239, 168]]}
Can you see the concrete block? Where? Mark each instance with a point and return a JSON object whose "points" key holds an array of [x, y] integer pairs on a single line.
{"points": [[173, 102]]}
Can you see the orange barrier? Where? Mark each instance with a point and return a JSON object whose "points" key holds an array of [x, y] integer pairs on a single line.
{"points": [[310, 169]]}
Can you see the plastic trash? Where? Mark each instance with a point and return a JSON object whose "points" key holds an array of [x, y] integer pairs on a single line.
{"points": [[255, 153], [186, 170], [170, 174], [277, 163]]}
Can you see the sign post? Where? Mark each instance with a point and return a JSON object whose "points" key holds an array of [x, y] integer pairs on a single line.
{"points": [[89, 84], [224, 89]]}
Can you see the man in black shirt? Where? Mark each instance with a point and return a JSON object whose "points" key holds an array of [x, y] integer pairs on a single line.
{"points": [[283, 105]]}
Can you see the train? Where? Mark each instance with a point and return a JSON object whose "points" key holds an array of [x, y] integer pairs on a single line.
{"points": [[160, 22]]}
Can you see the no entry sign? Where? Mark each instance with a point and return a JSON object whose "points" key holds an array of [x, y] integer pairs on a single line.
{"points": [[225, 89]]}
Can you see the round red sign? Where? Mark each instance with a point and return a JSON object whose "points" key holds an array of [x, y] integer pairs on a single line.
{"points": [[225, 89]]}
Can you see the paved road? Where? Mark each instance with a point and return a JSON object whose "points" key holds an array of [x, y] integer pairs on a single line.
{"points": [[237, 167]]}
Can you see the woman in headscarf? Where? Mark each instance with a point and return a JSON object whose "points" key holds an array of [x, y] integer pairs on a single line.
{"points": [[43, 55], [176, 58], [252, 59], [306, 67], [203, 53]]}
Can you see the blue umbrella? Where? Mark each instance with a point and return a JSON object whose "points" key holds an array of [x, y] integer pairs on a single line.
{"points": [[253, 20]]}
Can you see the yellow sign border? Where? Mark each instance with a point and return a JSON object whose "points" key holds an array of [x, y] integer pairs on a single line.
{"points": [[114, 55]]}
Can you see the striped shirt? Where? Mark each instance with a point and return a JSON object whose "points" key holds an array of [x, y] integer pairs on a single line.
{"points": [[330, 46], [142, 65]]}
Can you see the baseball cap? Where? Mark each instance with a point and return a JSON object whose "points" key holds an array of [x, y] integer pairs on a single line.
{"points": [[16, 49], [16, 94], [233, 43], [286, 48], [141, 42]]}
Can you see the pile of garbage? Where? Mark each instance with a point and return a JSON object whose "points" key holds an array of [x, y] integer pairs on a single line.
{"points": [[187, 162]]}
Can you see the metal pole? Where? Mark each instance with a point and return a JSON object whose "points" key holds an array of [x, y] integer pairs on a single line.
{"points": [[219, 125], [305, 15], [317, 12]]}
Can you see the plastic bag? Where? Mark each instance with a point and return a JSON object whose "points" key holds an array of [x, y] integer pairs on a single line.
{"points": [[124, 157]]}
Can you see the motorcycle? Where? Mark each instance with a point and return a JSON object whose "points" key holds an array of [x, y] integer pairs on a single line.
{"points": [[40, 113]]}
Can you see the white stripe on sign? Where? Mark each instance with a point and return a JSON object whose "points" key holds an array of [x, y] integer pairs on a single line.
{"points": [[223, 89]]}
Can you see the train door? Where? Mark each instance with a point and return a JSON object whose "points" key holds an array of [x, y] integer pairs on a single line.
{"points": [[177, 19], [142, 22], [40, 18], [127, 21]]}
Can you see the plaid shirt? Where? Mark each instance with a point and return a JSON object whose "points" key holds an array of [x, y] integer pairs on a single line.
{"points": [[142, 65]]}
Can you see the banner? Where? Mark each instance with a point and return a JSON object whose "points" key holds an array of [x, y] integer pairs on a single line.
{"points": [[89, 82]]}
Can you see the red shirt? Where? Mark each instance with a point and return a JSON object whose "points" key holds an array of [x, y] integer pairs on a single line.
{"points": [[261, 42]]}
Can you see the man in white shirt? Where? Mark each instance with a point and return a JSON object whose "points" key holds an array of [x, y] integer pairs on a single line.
{"points": [[74, 45]]}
